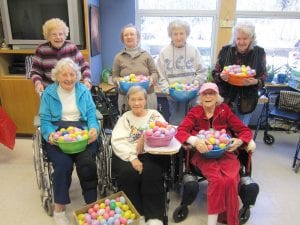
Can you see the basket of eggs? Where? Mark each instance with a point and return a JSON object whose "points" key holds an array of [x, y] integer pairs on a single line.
{"points": [[182, 92], [133, 80], [159, 134], [236, 74], [217, 142], [71, 140]]}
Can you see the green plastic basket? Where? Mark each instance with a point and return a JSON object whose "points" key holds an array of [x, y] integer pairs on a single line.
{"points": [[72, 147]]}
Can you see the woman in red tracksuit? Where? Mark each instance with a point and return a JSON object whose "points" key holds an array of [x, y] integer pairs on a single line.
{"points": [[222, 174]]}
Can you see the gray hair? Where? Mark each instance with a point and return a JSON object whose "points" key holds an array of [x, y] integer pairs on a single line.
{"points": [[179, 24], [52, 24], [136, 89], [130, 25], [220, 100], [61, 64], [246, 28]]}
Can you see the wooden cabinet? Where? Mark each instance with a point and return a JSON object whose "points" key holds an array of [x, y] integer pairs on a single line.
{"points": [[20, 101]]}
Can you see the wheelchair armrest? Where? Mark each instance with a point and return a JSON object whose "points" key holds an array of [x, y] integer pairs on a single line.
{"points": [[99, 115], [37, 121]]}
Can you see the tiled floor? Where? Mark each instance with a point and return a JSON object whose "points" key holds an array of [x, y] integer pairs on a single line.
{"points": [[278, 202]]}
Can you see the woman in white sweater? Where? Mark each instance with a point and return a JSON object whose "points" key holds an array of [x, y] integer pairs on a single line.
{"points": [[139, 174]]}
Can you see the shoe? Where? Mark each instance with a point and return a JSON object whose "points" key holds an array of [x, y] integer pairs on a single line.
{"points": [[61, 218], [154, 222]]}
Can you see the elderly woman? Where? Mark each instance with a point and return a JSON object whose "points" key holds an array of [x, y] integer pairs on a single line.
{"points": [[56, 47], [133, 59], [66, 103], [222, 174], [182, 62], [242, 51], [139, 174]]}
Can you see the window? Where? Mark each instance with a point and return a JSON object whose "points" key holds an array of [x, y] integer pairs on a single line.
{"points": [[153, 18], [277, 24]]}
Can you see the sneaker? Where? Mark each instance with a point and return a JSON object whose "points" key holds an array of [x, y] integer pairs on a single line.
{"points": [[154, 222], [61, 218]]}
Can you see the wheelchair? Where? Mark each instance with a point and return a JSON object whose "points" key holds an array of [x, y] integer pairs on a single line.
{"points": [[189, 177]]}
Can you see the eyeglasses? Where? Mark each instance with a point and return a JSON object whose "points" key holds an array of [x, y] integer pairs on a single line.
{"points": [[57, 34]]}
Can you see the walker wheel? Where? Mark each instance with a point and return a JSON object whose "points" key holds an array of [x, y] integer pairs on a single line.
{"points": [[244, 215], [180, 213], [269, 139]]}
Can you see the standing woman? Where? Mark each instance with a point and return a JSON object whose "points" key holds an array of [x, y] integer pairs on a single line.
{"points": [[56, 47], [133, 59], [242, 51], [179, 61]]}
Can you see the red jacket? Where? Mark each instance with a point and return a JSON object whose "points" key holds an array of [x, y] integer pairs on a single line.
{"points": [[223, 118]]}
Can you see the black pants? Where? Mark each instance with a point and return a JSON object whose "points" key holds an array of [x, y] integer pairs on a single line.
{"points": [[146, 190]]}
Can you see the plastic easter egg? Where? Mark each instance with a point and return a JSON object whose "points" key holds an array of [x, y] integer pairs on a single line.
{"points": [[123, 220], [209, 147], [132, 216], [125, 207], [101, 211], [87, 218], [122, 200], [117, 222], [172, 131], [107, 201], [157, 133], [102, 205], [222, 145], [110, 221], [91, 210], [149, 132], [94, 215], [212, 140], [118, 210]]}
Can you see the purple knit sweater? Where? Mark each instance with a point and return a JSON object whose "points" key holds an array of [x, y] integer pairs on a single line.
{"points": [[46, 57]]}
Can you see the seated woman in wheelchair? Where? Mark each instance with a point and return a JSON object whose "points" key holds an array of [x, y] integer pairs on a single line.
{"points": [[138, 174], [65, 103], [222, 174]]}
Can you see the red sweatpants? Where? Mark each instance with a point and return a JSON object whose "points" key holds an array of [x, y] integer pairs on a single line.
{"points": [[223, 177]]}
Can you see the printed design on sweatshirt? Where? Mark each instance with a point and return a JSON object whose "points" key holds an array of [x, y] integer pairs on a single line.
{"points": [[135, 133], [180, 63]]}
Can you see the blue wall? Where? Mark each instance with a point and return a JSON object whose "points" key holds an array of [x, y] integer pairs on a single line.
{"points": [[114, 14], [96, 61]]}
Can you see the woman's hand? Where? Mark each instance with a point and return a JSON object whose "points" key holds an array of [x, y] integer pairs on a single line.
{"points": [[224, 76], [140, 145], [137, 165], [51, 139], [201, 146], [235, 143], [88, 84], [93, 135], [250, 81], [39, 88]]}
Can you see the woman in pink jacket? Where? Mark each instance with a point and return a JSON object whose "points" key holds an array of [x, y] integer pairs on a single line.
{"points": [[222, 174]]}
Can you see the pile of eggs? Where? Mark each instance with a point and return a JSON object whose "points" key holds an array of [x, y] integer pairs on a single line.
{"points": [[110, 212], [178, 86], [134, 78], [160, 129], [214, 139], [70, 134], [239, 70]]}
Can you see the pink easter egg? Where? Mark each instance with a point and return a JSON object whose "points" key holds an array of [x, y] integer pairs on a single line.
{"points": [[209, 147], [111, 213], [156, 133], [155, 128], [91, 210], [107, 201], [172, 131], [148, 133], [123, 220], [223, 131], [94, 215]]}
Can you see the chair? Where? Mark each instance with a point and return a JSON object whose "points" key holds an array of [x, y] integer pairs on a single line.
{"points": [[190, 178]]}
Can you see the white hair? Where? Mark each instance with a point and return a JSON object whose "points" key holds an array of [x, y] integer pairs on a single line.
{"points": [[179, 24], [246, 28], [61, 64]]}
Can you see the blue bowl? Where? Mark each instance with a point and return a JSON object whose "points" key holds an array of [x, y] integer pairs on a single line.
{"points": [[125, 86], [182, 96], [214, 153]]}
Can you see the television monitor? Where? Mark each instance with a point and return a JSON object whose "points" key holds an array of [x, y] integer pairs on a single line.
{"points": [[22, 20]]}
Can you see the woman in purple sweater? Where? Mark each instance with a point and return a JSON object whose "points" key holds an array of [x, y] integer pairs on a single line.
{"points": [[55, 31]]}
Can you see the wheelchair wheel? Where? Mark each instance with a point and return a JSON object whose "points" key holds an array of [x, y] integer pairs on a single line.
{"points": [[297, 166], [244, 214], [269, 139], [180, 213], [37, 160], [48, 207]]}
